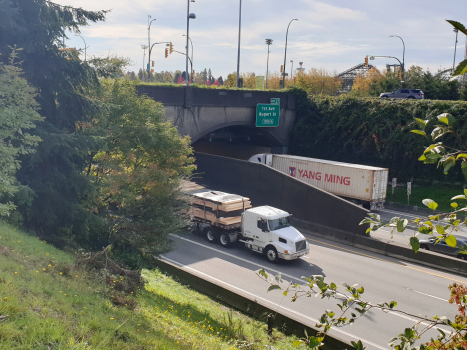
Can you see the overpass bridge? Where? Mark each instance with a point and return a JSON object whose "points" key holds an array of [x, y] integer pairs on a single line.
{"points": [[224, 114]]}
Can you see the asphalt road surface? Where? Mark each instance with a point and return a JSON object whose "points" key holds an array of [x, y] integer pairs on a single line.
{"points": [[417, 290]]}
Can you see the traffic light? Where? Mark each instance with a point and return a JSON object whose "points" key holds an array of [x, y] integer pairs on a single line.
{"points": [[400, 76], [152, 71], [192, 74], [166, 53], [171, 48], [152, 63], [366, 61], [282, 68]]}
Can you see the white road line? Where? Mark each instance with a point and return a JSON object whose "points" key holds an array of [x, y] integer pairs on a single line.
{"points": [[282, 274], [267, 301], [236, 257], [404, 214], [428, 295]]}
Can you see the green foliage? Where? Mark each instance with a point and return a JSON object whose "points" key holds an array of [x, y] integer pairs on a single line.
{"points": [[138, 169], [60, 195], [372, 132], [17, 116]]}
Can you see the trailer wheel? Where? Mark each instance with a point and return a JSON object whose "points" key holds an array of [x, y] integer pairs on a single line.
{"points": [[271, 254], [224, 239], [211, 236]]}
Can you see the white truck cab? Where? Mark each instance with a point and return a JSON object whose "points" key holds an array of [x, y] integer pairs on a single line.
{"points": [[268, 230]]}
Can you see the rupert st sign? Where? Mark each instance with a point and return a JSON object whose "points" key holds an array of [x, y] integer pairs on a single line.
{"points": [[267, 115]]}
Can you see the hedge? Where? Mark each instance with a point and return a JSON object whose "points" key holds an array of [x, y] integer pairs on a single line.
{"points": [[373, 132]]}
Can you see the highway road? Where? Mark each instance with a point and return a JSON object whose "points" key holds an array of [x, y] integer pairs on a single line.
{"points": [[417, 289], [403, 237]]}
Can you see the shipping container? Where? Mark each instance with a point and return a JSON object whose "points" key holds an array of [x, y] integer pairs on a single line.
{"points": [[361, 184]]}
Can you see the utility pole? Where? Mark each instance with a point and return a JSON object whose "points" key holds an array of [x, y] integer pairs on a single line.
{"points": [[285, 53], [455, 48], [239, 36]]}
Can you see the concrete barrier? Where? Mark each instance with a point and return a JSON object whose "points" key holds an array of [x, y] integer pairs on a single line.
{"points": [[247, 304]]}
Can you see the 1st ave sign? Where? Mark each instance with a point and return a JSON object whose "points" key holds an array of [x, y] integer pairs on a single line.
{"points": [[267, 115]]}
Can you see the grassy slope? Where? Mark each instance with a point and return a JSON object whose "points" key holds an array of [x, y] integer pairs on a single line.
{"points": [[45, 304], [441, 194]]}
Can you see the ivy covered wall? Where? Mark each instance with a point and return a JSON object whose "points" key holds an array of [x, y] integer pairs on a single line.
{"points": [[373, 132]]}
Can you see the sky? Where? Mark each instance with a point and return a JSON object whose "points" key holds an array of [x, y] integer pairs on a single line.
{"points": [[335, 34]]}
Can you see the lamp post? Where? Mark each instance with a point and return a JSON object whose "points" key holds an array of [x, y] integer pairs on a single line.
{"points": [[285, 53], [144, 47], [403, 54], [268, 42], [191, 56], [455, 48], [149, 44], [188, 17], [239, 36], [291, 72], [401, 64], [86, 47]]}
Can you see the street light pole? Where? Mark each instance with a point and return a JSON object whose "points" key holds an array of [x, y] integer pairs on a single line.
{"points": [[403, 54], [191, 56], [188, 17], [455, 48], [85, 47], [239, 36], [268, 42], [373, 57], [285, 53], [149, 44]]}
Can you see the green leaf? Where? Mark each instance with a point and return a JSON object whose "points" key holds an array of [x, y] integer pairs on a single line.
{"points": [[461, 68], [440, 229], [425, 230], [392, 304], [419, 132], [440, 131], [451, 241], [464, 169], [415, 243], [458, 26], [465, 191], [462, 155], [357, 345], [422, 123], [263, 273], [402, 224], [447, 119], [297, 343], [448, 164], [454, 205], [278, 278], [461, 196], [313, 342], [430, 203], [285, 293], [273, 287]]}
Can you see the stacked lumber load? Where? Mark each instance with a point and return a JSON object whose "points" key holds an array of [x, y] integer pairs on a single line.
{"points": [[219, 207]]}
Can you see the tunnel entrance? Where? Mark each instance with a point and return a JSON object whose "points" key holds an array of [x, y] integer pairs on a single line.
{"points": [[240, 142]]}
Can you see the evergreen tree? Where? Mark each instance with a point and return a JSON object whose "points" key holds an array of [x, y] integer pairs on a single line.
{"points": [[62, 193]]}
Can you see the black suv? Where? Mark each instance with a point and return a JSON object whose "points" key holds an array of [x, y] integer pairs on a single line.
{"points": [[404, 93]]}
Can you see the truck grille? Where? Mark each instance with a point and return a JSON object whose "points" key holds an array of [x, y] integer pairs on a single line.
{"points": [[300, 245]]}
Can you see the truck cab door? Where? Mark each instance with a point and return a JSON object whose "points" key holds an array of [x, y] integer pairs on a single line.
{"points": [[262, 233]]}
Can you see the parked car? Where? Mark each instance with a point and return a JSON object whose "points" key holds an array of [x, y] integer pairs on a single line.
{"points": [[404, 93], [443, 248]]}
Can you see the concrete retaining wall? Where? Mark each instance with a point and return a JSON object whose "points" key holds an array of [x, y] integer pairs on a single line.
{"points": [[249, 305], [317, 209]]}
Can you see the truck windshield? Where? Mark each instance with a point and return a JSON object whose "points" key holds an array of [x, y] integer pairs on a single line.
{"points": [[279, 223]]}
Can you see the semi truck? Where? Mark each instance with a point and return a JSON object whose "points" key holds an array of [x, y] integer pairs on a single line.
{"points": [[263, 229], [361, 184]]}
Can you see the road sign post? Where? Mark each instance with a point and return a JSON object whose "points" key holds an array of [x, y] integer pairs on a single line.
{"points": [[267, 115], [394, 184], [409, 192]]}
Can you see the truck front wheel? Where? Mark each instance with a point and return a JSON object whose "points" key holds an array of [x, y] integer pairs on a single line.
{"points": [[211, 236], [271, 254], [224, 238]]}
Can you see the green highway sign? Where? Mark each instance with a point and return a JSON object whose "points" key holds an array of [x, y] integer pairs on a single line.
{"points": [[267, 115], [275, 101]]}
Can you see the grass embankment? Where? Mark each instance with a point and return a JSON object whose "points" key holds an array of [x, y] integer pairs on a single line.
{"points": [[441, 194], [47, 303]]}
